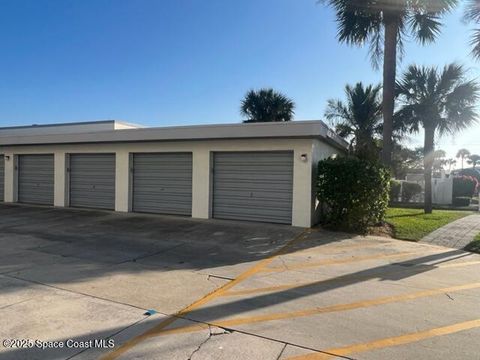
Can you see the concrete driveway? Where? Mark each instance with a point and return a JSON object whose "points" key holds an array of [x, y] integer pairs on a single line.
{"points": [[237, 290]]}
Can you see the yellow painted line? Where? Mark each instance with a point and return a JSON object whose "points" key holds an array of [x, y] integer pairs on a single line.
{"points": [[389, 342], [327, 309], [336, 261], [344, 278], [209, 297], [268, 289]]}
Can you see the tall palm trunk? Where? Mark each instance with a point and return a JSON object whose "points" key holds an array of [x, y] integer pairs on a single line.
{"points": [[389, 72], [428, 150]]}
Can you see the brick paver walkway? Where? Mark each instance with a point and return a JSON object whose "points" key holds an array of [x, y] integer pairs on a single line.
{"points": [[457, 234]]}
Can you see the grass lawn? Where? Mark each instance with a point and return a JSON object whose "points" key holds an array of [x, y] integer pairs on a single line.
{"points": [[413, 224], [474, 246]]}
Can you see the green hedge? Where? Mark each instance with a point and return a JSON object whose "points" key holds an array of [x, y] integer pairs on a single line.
{"points": [[464, 186], [354, 192], [395, 187], [461, 201], [409, 190]]}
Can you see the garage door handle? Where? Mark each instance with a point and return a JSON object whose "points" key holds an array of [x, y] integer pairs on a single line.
{"points": [[251, 194]]}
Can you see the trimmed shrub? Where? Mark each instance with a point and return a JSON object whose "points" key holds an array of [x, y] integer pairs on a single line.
{"points": [[470, 172], [409, 190], [464, 186], [461, 201], [354, 191], [395, 187]]}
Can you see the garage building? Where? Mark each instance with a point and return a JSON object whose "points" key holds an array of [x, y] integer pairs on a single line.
{"points": [[255, 172]]}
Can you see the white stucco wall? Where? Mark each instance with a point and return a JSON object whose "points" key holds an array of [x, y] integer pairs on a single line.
{"points": [[10, 194], [303, 208]]}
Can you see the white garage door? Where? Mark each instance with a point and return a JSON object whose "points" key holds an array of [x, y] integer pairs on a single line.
{"points": [[162, 183], [35, 179], [92, 181], [255, 186]]}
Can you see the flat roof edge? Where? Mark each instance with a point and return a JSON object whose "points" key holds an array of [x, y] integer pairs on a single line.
{"points": [[34, 126], [294, 129]]}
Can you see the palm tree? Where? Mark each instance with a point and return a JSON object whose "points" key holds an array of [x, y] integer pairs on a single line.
{"points": [[463, 153], [384, 24], [474, 160], [451, 162], [266, 105], [359, 119], [439, 160], [440, 102]]}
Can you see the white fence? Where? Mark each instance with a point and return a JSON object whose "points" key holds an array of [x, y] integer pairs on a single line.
{"points": [[442, 190]]}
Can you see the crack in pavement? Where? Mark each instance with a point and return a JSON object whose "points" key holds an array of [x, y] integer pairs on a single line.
{"points": [[142, 257], [202, 343], [210, 335], [228, 330]]}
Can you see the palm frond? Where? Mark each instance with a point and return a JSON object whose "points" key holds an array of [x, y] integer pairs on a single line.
{"points": [[344, 130], [472, 15], [363, 21], [450, 75], [425, 26], [356, 23], [336, 111], [472, 11], [376, 49], [475, 44]]}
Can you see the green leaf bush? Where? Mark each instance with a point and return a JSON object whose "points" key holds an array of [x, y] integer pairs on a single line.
{"points": [[464, 186], [409, 190], [354, 193], [395, 188], [461, 201]]}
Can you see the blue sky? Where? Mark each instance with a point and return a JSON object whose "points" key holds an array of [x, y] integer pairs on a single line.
{"points": [[159, 62]]}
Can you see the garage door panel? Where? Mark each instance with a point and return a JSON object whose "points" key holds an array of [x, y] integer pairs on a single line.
{"points": [[246, 209], [92, 181], [171, 205], [236, 213], [87, 183], [99, 190], [147, 192], [255, 186], [251, 185], [150, 180], [243, 179], [36, 179], [149, 199], [93, 200], [267, 203], [234, 195], [162, 183]]}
